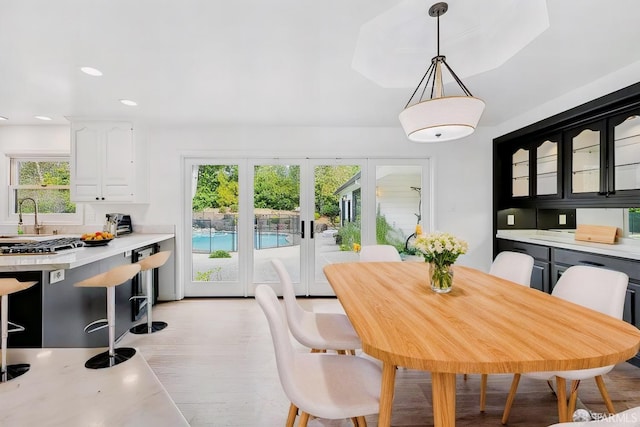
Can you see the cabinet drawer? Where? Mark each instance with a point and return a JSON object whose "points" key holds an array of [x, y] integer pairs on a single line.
{"points": [[568, 257], [538, 252]]}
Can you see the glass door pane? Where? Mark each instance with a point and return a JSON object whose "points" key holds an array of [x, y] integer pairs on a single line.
{"points": [[213, 238], [547, 168], [520, 173], [398, 204], [627, 154], [585, 171], [337, 218], [276, 223]]}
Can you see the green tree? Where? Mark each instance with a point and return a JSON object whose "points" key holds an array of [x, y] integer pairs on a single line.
{"points": [[327, 180], [217, 187], [277, 187]]}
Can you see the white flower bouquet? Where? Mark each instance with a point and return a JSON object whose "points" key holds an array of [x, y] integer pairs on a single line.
{"points": [[440, 250]]}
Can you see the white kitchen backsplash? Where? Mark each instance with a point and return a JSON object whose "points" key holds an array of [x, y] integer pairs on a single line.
{"points": [[614, 217]]}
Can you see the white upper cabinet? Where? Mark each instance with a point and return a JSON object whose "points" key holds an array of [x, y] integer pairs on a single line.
{"points": [[104, 166]]}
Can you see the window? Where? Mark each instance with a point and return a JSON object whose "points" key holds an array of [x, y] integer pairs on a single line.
{"points": [[44, 179]]}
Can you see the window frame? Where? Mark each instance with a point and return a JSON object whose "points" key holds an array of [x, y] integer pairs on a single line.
{"points": [[11, 217]]}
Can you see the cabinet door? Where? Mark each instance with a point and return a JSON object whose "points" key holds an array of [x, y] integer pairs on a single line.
{"points": [[520, 170], [624, 137], [86, 164], [117, 175], [540, 276], [547, 167], [587, 157]]}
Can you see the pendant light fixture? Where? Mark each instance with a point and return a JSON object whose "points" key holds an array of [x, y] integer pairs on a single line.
{"points": [[439, 117]]}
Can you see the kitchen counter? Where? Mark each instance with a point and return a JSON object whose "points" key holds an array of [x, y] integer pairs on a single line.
{"points": [[624, 248], [59, 391], [72, 258]]}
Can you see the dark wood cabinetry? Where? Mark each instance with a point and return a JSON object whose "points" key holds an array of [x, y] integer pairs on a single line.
{"points": [[588, 156]]}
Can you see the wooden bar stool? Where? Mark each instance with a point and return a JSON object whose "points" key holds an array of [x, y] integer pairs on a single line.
{"points": [[147, 265], [112, 278], [10, 286]]}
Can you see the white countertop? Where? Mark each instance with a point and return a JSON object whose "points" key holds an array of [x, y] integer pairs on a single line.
{"points": [[72, 258], [623, 248], [59, 391]]}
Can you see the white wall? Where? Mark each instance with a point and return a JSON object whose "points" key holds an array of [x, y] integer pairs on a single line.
{"points": [[461, 170]]}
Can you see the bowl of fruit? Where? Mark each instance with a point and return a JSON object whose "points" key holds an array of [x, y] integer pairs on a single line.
{"points": [[99, 238]]}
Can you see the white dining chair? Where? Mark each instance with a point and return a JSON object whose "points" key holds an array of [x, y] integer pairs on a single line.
{"points": [[318, 331], [379, 253], [595, 288], [516, 267], [628, 418], [324, 385]]}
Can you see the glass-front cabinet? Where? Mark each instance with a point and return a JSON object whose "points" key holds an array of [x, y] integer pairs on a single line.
{"points": [[586, 145], [547, 167], [605, 157], [520, 172], [535, 168], [624, 131]]}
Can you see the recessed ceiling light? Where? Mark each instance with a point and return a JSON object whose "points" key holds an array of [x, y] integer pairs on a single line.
{"points": [[91, 71], [45, 118], [129, 102], [3, 118]]}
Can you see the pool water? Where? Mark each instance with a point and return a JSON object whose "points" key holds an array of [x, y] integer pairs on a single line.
{"points": [[228, 241]]}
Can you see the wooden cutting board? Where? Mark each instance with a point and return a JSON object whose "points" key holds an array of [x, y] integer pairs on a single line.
{"points": [[596, 233]]}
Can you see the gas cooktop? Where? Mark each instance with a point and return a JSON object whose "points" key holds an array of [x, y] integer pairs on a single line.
{"points": [[42, 247]]}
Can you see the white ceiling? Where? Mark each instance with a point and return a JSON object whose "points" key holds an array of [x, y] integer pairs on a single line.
{"points": [[280, 62]]}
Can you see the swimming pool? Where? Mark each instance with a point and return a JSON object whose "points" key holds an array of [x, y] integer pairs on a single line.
{"points": [[228, 241]]}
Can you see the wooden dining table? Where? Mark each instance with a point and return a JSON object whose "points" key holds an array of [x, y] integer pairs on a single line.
{"points": [[484, 325]]}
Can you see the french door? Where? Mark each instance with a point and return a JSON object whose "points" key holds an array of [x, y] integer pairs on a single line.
{"points": [[242, 213]]}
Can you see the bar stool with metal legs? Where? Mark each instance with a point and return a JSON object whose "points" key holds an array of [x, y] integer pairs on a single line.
{"points": [[147, 265], [112, 278], [10, 286]]}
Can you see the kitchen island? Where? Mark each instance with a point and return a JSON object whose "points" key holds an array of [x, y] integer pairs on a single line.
{"points": [[55, 312]]}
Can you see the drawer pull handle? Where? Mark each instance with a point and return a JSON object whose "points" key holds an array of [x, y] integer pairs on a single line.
{"points": [[594, 264], [524, 251]]}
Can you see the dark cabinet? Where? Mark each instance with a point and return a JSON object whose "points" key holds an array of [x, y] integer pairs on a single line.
{"points": [[541, 268], [623, 173], [564, 258], [585, 149], [531, 169], [588, 156]]}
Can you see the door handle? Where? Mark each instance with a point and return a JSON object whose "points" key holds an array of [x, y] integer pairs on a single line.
{"points": [[302, 230], [311, 230]]}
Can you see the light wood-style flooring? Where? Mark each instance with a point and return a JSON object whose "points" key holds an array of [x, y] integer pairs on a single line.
{"points": [[216, 361]]}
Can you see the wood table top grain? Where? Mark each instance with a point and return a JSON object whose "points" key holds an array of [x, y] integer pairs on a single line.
{"points": [[484, 325]]}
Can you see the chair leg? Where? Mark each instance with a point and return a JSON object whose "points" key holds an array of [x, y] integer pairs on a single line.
{"points": [[510, 398], [561, 392], [304, 419], [573, 398], [352, 352], [341, 352], [354, 421], [605, 395], [464, 377], [362, 422], [291, 418], [483, 392]]}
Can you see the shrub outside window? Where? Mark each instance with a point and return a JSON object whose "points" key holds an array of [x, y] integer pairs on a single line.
{"points": [[46, 180]]}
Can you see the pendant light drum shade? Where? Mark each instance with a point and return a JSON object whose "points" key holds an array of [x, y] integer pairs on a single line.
{"points": [[442, 119]]}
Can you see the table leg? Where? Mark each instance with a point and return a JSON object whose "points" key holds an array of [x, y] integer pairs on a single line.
{"points": [[386, 394], [561, 393], [443, 386]]}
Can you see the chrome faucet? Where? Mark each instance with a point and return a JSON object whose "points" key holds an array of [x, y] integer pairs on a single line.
{"points": [[37, 227]]}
